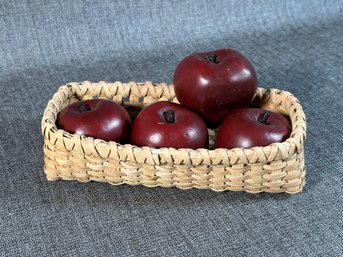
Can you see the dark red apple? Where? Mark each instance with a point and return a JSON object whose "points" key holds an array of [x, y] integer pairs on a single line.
{"points": [[248, 127], [98, 118], [167, 124], [213, 83]]}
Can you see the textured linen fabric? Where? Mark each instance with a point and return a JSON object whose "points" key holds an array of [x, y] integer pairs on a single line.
{"points": [[294, 45]]}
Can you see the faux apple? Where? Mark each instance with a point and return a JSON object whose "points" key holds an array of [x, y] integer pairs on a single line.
{"points": [[213, 83], [99, 118], [248, 127], [167, 124]]}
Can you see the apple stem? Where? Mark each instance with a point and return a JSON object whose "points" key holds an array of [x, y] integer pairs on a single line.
{"points": [[263, 117], [83, 107], [169, 116], [212, 58]]}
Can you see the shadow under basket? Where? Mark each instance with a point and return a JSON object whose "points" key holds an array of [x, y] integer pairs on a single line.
{"points": [[276, 168]]}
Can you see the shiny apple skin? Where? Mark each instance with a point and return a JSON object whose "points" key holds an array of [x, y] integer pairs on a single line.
{"points": [[214, 89], [150, 127], [241, 128], [98, 118]]}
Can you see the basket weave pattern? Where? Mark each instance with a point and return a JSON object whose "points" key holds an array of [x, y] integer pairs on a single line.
{"points": [[275, 168]]}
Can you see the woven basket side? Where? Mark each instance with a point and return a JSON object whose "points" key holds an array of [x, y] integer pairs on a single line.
{"points": [[131, 93]]}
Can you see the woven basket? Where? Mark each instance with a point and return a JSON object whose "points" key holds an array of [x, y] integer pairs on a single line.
{"points": [[275, 168]]}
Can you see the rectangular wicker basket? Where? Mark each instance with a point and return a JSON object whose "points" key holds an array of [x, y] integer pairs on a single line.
{"points": [[275, 168]]}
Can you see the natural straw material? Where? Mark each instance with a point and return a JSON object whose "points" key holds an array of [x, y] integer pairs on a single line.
{"points": [[275, 168]]}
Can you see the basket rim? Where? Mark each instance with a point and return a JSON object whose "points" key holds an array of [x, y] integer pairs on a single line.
{"points": [[293, 145]]}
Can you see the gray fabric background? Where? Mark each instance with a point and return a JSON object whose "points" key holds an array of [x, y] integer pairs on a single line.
{"points": [[294, 45]]}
